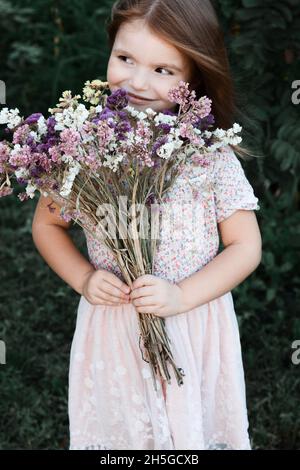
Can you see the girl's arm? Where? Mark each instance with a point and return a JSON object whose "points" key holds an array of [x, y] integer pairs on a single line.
{"points": [[49, 233], [242, 254]]}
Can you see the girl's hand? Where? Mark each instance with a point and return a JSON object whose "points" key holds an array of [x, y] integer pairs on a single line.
{"points": [[102, 287], [150, 294]]}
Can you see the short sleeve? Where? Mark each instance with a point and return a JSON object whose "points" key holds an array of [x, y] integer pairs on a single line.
{"points": [[232, 190]]}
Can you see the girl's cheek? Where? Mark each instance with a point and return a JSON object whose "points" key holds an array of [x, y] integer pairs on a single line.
{"points": [[116, 73]]}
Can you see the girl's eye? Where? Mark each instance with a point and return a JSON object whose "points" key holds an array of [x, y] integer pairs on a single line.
{"points": [[121, 57], [161, 68]]}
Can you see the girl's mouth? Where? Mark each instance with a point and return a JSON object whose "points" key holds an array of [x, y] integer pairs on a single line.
{"points": [[137, 99]]}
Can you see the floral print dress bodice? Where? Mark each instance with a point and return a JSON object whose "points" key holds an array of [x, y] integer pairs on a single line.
{"points": [[201, 197]]}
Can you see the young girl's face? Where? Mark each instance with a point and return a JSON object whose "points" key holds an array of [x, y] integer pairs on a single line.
{"points": [[145, 65]]}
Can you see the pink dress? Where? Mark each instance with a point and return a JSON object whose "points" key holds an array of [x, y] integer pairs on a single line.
{"points": [[112, 400]]}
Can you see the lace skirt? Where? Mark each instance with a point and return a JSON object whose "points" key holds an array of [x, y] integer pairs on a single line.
{"points": [[112, 400]]}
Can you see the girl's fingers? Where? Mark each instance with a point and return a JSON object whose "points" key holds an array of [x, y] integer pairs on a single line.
{"points": [[111, 298], [113, 292], [144, 302], [117, 283], [149, 309], [141, 292]]}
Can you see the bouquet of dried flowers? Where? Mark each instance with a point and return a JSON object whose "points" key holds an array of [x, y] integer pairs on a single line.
{"points": [[108, 165]]}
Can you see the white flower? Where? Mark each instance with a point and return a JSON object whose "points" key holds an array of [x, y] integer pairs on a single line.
{"points": [[142, 116], [69, 179], [130, 137], [139, 139], [4, 114], [67, 159], [42, 127], [34, 135], [234, 140], [236, 128], [166, 150], [99, 108], [22, 173], [15, 150], [175, 132], [132, 110], [150, 112], [10, 117], [164, 119], [215, 146], [70, 118], [112, 161], [219, 133], [30, 190], [207, 134]]}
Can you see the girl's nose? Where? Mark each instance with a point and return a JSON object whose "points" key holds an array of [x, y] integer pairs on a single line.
{"points": [[139, 82]]}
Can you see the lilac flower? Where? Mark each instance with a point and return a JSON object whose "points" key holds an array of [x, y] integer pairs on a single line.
{"points": [[4, 154], [202, 107], [159, 142], [20, 156], [182, 95], [122, 128], [51, 122], [33, 118], [21, 181], [104, 133], [168, 112], [118, 99], [164, 127], [23, 196], [201, 160], [5, 191], [69, 141], [106, 115], [21, 134]]}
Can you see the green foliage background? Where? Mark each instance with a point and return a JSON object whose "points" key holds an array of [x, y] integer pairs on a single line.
{"points": [[49, 46]]}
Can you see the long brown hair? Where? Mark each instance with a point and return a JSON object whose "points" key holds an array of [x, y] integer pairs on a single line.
{"points": [[193, 28]]}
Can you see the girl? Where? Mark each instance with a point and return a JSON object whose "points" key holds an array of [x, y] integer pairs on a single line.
{"points": [[112, 401]]}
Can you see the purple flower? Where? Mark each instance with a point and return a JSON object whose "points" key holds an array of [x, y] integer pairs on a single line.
{"points": [[96, 120], [159, 142], [21, 181], [36, 171], [33, 118], [168, 112], [118, 99], [51, 124], [31, 143], [121, 128], [164, 127], [107, 114]]}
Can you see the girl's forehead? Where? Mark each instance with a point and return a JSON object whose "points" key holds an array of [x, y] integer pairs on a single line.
{"points": [[137, 38]]}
